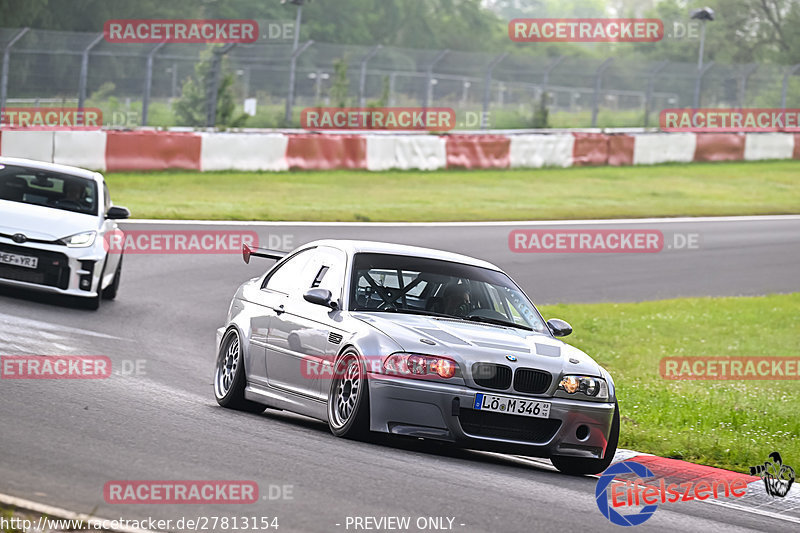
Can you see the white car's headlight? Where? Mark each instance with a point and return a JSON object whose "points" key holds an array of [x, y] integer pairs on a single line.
{"points": [[587, 385], [80, 240]]}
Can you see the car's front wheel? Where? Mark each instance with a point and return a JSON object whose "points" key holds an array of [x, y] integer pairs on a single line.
{"points": [[583, 466], [229, 377], [110, 292], [348, 401]]}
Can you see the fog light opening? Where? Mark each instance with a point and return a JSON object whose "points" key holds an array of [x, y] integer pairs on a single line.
{"points": [[582, 433]]}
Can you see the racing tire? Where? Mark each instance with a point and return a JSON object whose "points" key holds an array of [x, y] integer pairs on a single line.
{"points": [[229, 376], [110, 292], [348, 400]]}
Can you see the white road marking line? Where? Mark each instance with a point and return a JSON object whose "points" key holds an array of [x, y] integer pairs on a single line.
{"points": [[57, 512], [38, 325], [753, 510], [752, 218]]}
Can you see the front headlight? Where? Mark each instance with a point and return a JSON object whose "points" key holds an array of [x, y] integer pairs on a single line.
{"points": [[80, 240], [409, 364], [586, 385]]}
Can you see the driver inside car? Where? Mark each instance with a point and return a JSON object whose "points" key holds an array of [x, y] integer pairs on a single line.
{"points": [[457, 300], [73, 194]]}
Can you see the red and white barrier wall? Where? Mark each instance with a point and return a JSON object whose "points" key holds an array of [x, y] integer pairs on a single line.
{"points": [[158, 150]]}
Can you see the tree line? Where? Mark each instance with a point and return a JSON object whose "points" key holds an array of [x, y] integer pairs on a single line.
{"points": [[745, 31]]}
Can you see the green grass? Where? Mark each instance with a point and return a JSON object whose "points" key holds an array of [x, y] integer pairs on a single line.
{"points": [[741, 188], [728, 424]]}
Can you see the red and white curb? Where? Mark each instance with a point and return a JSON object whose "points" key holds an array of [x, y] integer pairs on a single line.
{"points": [[267, 150], [756, 501]]}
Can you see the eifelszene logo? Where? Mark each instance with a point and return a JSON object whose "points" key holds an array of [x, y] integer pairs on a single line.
{"points": [[778, 477], [601, 494], [648, 494]]}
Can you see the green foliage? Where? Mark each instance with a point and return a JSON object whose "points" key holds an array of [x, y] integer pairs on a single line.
{"points": [[541, 114], [744, 30], [190, 108], [90, 15], [340, 86], [103, 92], [383, 100]]}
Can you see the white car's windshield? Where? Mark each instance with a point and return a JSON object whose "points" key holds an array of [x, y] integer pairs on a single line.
{"points": [[48, 189], [394, 283]]}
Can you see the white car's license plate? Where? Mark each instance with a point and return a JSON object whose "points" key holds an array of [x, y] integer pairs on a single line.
{"points": [[512, 406], [19, 260]]}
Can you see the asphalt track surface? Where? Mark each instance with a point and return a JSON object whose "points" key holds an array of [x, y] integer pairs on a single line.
{"points": [[62, 440]]}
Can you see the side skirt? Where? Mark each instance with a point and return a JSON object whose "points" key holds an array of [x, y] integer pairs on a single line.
{"points": [[287, 401]]}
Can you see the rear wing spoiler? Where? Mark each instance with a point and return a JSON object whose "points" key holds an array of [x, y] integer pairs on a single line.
{"points": [[248, 251]]}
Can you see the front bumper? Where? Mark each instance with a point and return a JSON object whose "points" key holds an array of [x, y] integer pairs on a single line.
{"points": [[60, 269], [433, 410]]}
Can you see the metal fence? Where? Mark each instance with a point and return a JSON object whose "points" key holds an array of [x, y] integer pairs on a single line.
{"points": [[42, 67]]}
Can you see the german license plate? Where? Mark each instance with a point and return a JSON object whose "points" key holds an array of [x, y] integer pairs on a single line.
{"points": [[19, 260], [511, 405]]}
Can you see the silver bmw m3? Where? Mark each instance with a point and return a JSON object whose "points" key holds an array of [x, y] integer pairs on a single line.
{"points": [[378, 337]]}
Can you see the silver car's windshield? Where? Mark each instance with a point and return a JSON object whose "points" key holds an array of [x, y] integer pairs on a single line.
{"points": [[395, 283], [48, 189]]}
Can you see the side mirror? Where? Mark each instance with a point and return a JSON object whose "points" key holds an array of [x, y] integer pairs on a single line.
{"points": [[558, 327], [116, 212], [320, 297]]}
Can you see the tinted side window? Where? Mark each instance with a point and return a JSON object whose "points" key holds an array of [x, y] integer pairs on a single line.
{"points": [[287, 277]]}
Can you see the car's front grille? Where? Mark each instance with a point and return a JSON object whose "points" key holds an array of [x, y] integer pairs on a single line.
{"points": [[52, 269], [511, 427], [40, 241], [532, 381], [491, 376]]}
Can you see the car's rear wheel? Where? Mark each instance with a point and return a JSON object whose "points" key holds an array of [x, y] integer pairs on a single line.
{"points": [[582, 466], [229, 376], [110, 292], [348, 401]]}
